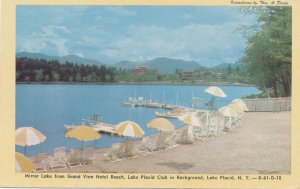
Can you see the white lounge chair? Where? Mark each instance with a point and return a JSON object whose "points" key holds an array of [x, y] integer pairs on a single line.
{"points": [[75, 158], [59, 159], [185, 136], [216, 123], [88, 156], [115, 150], [42, 161], [154, 143], [161, 142], [171, 139], [146, 145], [127, 149]]}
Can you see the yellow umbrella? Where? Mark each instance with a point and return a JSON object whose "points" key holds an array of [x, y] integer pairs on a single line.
{"points": [[28, 136], [241, 103], [83, 133], [162, 124], [228, 111], [23, 164], [236, 107], [191, 119], [216, 91], [129, 129]]}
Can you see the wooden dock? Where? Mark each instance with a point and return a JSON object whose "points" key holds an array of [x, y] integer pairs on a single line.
{"points": [[104, 128]]}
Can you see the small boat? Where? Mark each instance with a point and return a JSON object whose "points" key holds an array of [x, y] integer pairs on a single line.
{"points": [[153, 105], [168, 106], [134, 102]]}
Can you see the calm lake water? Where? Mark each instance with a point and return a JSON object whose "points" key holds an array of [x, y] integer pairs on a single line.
{"points": [[49, 107]]}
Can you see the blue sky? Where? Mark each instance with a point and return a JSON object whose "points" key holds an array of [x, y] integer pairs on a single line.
{"points": [[111, 34]]}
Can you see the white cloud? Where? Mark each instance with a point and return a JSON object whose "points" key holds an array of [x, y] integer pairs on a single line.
{"points": [[31, 45], [50, 39], [80, 54], [207, 44]]}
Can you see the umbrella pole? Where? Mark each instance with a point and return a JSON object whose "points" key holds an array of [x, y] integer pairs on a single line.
{"points": [[25, 150], [95, 142], [81, 150]]}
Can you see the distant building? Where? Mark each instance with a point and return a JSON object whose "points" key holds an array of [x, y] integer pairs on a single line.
{"points": [[186, 76], [139, 71], [198, 75], [158, 76], [219, 75]]}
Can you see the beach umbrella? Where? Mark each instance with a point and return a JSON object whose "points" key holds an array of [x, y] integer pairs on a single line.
{"points": [[129, 129], [83, 133], [23, 163], [215, 91], [191, 119], [162, 124], [236, 107], [228, 111], [28, 136], [241, 103]]}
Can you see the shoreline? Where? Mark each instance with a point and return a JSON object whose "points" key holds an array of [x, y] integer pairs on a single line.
{"points": [[139, 83], [232, 152]]}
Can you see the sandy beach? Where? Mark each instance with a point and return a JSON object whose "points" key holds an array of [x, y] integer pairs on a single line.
{"points": [[261, 145]]}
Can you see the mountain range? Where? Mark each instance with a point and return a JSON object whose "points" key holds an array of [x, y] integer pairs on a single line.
{"points": [[162, 64], [62, 59]]}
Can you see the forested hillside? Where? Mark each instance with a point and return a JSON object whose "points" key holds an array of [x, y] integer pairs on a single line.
{"points": [[40, 70]]}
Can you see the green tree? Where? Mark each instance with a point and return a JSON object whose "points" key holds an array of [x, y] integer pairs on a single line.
{"points": [[229, 69], [268, 54]]}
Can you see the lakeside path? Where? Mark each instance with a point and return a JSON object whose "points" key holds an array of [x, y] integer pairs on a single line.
{"points": [[261, 145]]}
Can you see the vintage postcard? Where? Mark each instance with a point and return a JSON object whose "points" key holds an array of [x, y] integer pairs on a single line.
{"points": [[141, 94]]}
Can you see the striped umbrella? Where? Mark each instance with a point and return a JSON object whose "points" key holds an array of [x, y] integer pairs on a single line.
{"points": [[241, 103], [191, 119], [129, 129], [236, 107], [23, 164], [216, 91], [162, 124], [28, 136], [230, 112]]}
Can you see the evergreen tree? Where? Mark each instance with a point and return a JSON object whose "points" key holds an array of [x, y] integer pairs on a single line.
{"points": [[268, 56]]}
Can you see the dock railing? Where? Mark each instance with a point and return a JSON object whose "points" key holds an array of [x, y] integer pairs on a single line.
{"points": [[268, 104]]}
